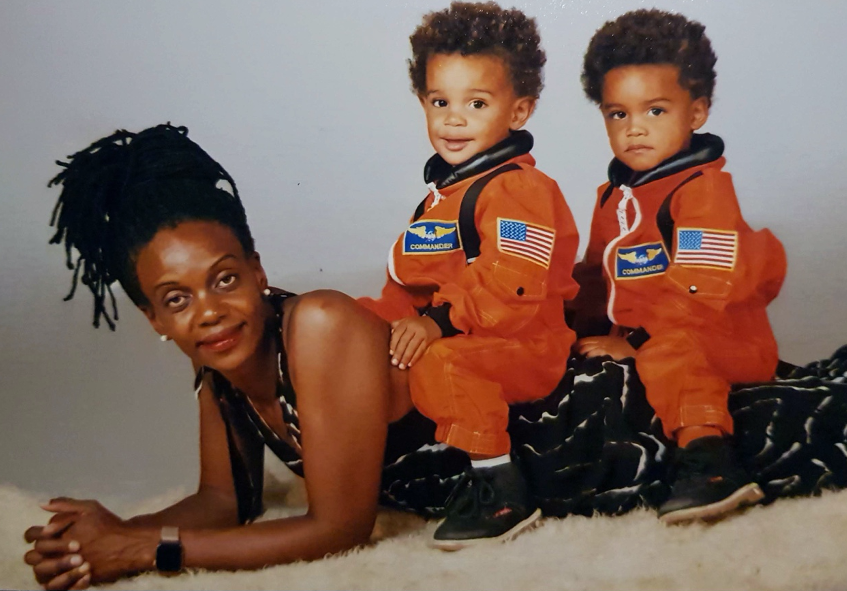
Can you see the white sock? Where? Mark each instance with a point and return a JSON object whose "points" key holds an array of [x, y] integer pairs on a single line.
{"points": [[491, 462]]}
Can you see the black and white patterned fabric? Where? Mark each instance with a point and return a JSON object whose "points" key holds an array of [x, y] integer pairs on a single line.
{"points": [[791, 434], [592, 446]]}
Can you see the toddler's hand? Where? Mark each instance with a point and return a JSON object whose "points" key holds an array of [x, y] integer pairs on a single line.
{"points": [[615, 347], [409, 339]]}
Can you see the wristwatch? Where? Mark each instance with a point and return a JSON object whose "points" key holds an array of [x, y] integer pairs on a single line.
{"points": [[169, 551]]}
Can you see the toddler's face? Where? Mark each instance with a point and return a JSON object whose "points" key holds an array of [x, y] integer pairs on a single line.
{"points": [[649, 116], [470, 104]]}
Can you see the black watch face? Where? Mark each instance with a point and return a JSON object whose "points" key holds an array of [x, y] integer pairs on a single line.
{"points": [[169, 556]]}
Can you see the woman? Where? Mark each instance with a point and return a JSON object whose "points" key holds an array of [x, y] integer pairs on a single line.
{"points": [[147, 210]]}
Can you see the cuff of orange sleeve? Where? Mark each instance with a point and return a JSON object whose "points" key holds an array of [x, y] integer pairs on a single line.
{"points": [[441, 316], [702, 416], [474, 442]]}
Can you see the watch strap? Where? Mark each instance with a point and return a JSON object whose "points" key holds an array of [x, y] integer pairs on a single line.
{"points": [[169, 551], [170, 534]]}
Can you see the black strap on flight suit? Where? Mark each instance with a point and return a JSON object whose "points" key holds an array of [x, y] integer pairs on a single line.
{"points": [[468, 233], [419, 211], [666, 224], [468, 237], [664, 220]]}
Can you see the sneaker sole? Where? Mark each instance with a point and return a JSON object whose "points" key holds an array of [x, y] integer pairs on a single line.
{"points": [[453, 545], [746, 495]]}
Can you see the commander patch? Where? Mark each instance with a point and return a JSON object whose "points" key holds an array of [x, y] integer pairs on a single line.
{"points": [[431, 237], [632, 262]]}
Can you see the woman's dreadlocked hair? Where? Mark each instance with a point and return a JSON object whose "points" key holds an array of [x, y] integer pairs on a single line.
{"points": [[121, 190]]}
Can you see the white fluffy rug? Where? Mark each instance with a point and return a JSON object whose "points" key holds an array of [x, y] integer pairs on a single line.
{"points": [[792, 544]]}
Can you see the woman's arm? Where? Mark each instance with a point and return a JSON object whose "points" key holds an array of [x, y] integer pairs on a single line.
{"points": [[337, 362], [214, 504]]}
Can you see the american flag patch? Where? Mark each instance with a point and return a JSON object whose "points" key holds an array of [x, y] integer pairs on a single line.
{"points": [[525, 240], [706, 248]]}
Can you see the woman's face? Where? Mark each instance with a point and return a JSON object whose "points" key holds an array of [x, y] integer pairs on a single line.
{"points": [[204, 292]]}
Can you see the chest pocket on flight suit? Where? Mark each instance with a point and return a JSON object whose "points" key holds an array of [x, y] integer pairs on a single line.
{"points": [[708, 287]]}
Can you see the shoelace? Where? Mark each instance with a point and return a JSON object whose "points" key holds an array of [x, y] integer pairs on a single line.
{"points": [[473, 491]]}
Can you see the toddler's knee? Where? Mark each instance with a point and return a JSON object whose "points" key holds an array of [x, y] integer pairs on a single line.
{"points": [[429, 378], [435, 359]]}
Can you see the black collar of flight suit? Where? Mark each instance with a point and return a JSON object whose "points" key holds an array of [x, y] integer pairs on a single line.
{"points": [[443, 174], [704, 148]]}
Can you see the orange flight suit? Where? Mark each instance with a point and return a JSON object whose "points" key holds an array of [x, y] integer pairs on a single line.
{"points": [[700, 298], [508, 303]]}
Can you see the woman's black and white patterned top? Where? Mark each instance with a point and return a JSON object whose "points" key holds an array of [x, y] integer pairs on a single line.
{"points": [[592, 445], [418, 474]]}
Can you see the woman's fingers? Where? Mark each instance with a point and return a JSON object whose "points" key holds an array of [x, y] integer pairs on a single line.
{"points": [[83, 583], [33, 533], [50, 549], [58, 524], [52, 546], [69, 579], [32, 558], [67, 505], [51, 568]]}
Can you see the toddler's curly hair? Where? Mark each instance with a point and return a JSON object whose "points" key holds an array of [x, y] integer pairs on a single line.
{"points": [[469, 28], [651, 37]]}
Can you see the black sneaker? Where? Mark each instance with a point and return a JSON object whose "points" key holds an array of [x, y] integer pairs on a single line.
{"points": [[708, 483], [487, 505]]}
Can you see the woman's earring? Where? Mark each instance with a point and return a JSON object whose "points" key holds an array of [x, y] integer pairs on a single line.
{"points": [[164, 338], [267, 291]]}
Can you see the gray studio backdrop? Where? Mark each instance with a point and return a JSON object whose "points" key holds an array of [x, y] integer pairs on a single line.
{"points": [[308, 107]]}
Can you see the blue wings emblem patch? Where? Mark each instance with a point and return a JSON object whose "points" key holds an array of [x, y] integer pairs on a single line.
{"points": [[632, 262], [431, 237]]}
